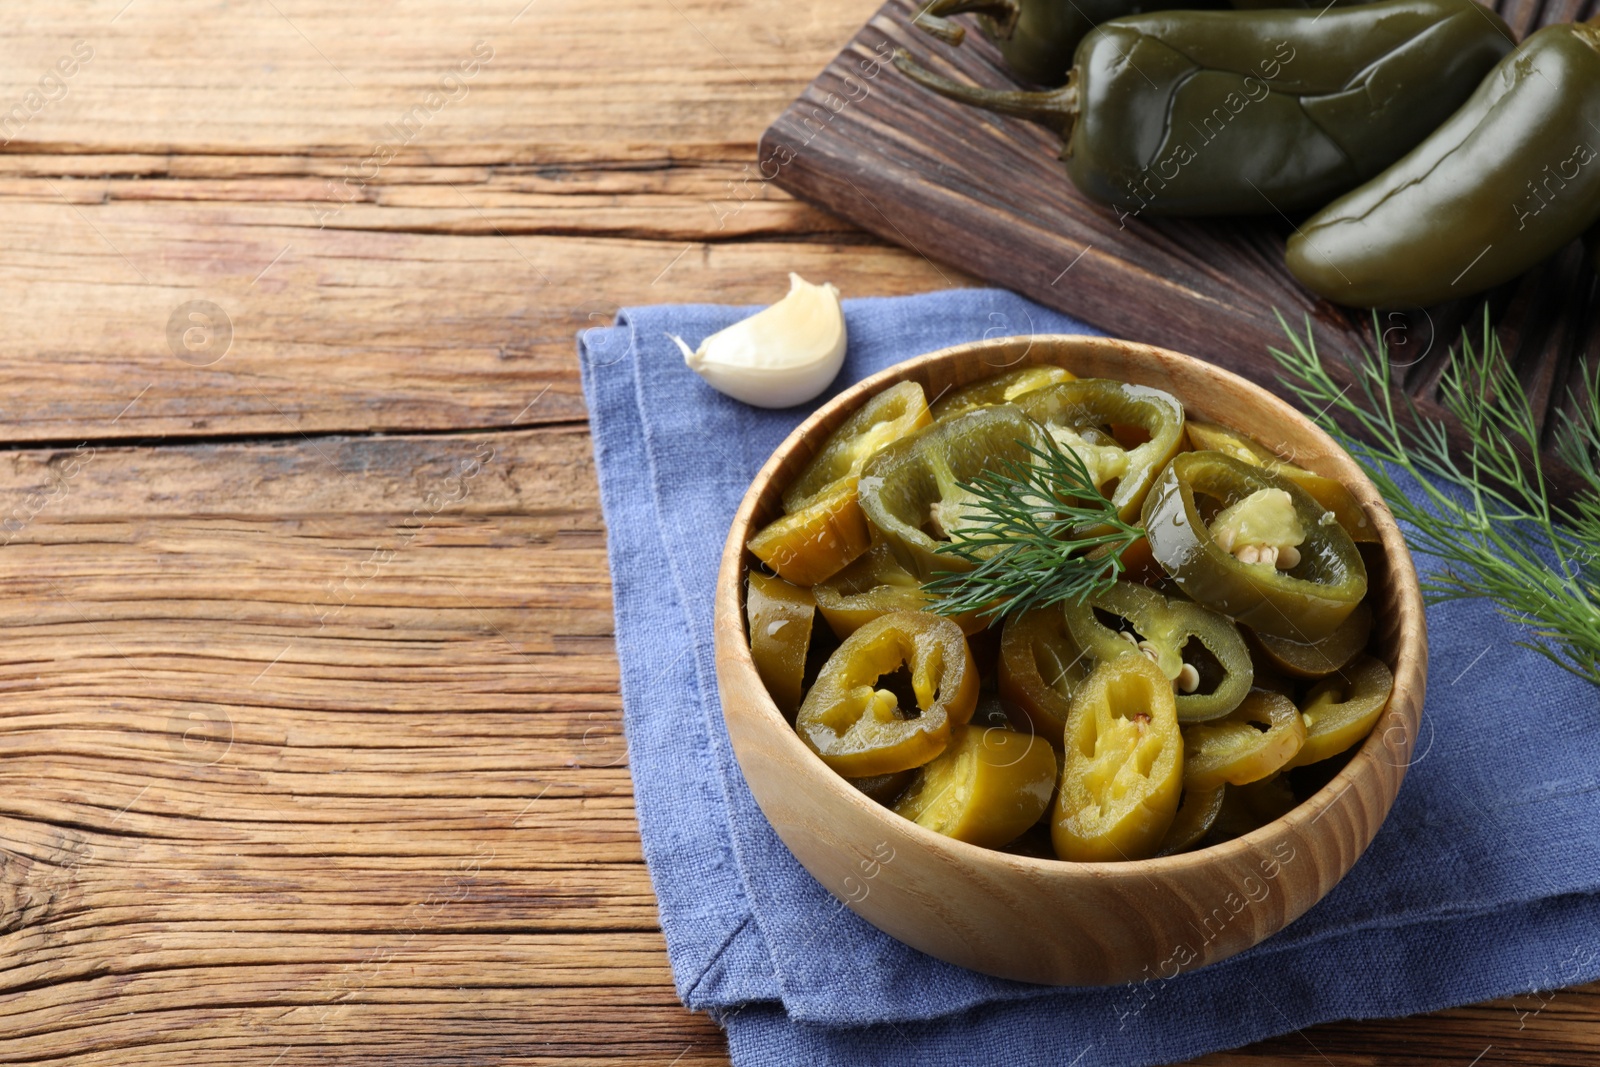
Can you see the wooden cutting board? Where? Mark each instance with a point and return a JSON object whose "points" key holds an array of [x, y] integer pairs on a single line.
{"points": [[988, 195]]}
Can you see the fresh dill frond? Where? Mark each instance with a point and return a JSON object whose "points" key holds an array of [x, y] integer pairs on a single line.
{"points": [[1038, 531], [1494, 521]]}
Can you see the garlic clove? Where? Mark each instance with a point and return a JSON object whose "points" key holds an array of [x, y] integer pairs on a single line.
{"points": [[783, 355]]}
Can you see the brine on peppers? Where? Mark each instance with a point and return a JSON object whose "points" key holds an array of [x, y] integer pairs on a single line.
{"points": [[860, 728], [1256, 547]]}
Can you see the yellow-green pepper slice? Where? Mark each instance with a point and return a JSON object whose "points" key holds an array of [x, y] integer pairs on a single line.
{"points": [[860, 729], [888, 416], [1341, 709], [875, 585], [816, 542], [1123, 766], [1197, 810], [1253, 741], [1000, 389], [1041, 666], [1305, 602], [1329, 492], [780, 617], [1318, 659], [885, 788], [1201, 652], [911, 490], [986, 788], [1123, 433]]}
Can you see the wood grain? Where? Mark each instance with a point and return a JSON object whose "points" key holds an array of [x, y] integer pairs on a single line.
{"points": [[964, 186], [206, 584]]}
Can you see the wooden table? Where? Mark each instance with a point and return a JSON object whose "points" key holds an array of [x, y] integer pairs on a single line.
{"points": [[311, 731]]}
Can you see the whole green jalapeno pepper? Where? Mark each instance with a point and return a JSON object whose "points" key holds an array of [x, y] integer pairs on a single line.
{"points": [[1253, 546], [1506, 181], [1037, 37], [1251, 112]]}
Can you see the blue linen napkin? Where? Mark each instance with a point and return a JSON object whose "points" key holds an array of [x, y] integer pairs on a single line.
{"points": [[1484, 881]]}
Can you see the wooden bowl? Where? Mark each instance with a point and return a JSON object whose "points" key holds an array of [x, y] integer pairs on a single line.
{"points": [[1050, 921]]}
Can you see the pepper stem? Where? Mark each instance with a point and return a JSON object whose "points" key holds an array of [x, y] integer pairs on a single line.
{"points": [[1056, 109], [1003, 13]]}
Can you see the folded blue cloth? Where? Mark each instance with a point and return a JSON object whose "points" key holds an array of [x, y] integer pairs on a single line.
{"points": [[1484, 881]]}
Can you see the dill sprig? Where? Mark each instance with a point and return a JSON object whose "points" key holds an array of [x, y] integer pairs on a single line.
{"points": [[1496, 525], [1032, 528]]}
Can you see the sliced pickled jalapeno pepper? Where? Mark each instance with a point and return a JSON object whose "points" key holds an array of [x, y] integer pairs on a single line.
{"points": [[1197, 810], [861, 729], [874, 585], [1304, 602], [816, 542], [1123, 433], [1201, 653], [1251, 742], [888, 416], [1123, 767], [912, 493], [1318, 659], [1250, 807], [1329, 492], [1340, 710], [986, 788], [1041, 666], [780, 617], [1000, 389], [884, 788]]}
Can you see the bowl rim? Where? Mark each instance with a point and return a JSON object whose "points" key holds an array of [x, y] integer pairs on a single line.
{"points": [[1410, 644]]}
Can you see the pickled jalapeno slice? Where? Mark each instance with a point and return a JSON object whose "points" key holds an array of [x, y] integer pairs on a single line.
{"points": [[1249, 544], [1000, 389], [1122, 772], [912, 491], [1197, 811], [1318, 659], [986, 788], [1329, 492], [874, 585], [1341, 709], [888, 416], [1200, 651], [780, 616], [816, 542], [1253, 741], [1041, 666], [862, 729], [1123, 433]]}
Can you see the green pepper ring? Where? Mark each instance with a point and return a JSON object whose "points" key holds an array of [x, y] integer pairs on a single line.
{"points": [[1304, 604]]}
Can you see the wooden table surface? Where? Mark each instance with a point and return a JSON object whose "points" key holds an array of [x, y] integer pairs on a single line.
{"points": [[311, 735]]}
